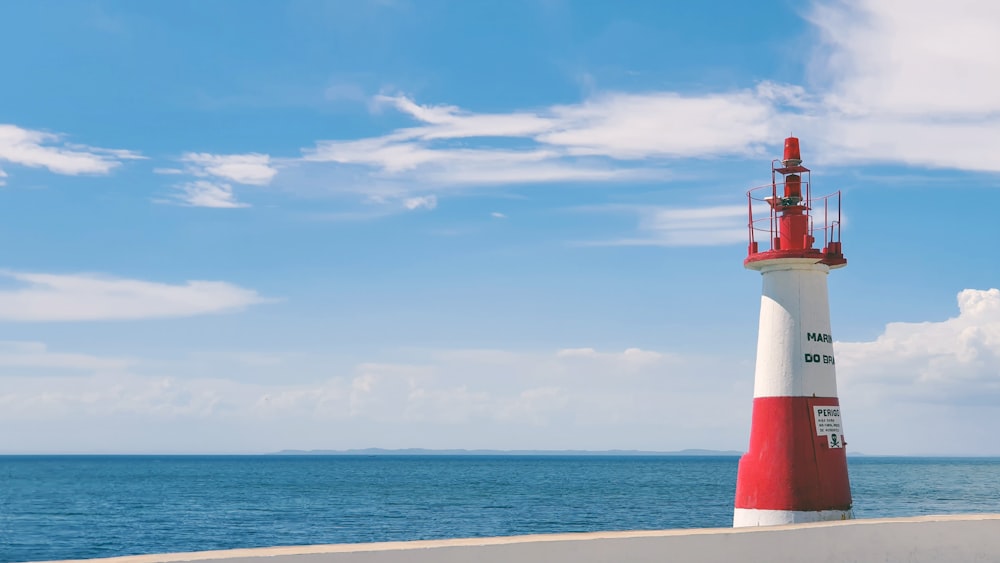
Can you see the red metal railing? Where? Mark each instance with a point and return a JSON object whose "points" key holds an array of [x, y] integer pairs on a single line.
{"points": [[763, 222]]}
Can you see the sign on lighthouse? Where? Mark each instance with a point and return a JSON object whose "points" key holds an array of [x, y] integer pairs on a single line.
{"points": [[795, 469]]}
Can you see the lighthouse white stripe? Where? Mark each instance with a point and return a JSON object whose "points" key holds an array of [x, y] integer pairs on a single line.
{"points": [[794, 347], [744, 517]]}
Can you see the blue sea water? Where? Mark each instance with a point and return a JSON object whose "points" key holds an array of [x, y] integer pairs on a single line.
{"points": [[73, 507]]}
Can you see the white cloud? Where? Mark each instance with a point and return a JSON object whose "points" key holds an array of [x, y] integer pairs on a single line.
{"points": [[953, 360], [912, 83], [666, 125], [38, 149], [498, 215], [393, 158], [920, 388], [422, 202], [600, 140], [214, 175], [911, 57], [202, 193], [909, 82], [680, 226], [928, 387], [577, 398], [450, 122], [78, 297], [254, 169], [19, 355]]}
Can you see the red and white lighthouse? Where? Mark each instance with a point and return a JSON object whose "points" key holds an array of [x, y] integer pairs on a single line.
{"points": [[795, 469]]}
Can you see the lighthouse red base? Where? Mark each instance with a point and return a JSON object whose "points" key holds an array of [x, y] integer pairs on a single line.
{"points": [[790, 464]]}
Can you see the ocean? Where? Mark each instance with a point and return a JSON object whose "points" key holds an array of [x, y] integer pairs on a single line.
{"points": [[75, 507]]}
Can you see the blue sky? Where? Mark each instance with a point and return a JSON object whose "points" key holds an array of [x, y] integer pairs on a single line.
{"points": [[249, 226]]}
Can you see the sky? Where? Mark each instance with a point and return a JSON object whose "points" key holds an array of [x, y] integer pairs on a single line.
{"points": [[240, 227]]}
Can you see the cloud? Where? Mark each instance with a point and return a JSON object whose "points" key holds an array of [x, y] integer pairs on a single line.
{"points": [[38, 149], [214, 175], [560, 399], [610, 138], [422, 202], [87, 297], [679, 226], [253, 169], [665, 125], [927, 387], [919, 388], [909, 84], [203, 193], [498, 215], [916, 83], [21, 355], [955, 361], [910, 57], [610, 127]]}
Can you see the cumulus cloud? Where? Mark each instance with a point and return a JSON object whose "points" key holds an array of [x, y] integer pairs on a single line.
{"points": [[927, 387], [82, 297], [955, 360], [39, 149]]}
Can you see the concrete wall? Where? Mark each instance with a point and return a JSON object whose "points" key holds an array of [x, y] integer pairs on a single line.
{"points": [[949, 539]]}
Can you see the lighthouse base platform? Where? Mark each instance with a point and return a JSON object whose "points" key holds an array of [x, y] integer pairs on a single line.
{"points": [[925, 539], [759, 517]]}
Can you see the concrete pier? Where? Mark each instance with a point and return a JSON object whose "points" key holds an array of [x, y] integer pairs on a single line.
{"points": [[925, 539]]}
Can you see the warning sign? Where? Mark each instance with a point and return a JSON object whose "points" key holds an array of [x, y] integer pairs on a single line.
{"points": [[828, 424], [827, 421]]}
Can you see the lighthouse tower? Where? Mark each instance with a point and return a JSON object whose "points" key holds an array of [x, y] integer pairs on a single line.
{"points": [[795, 469]]}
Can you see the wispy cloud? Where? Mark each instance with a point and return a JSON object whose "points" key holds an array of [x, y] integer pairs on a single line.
{"points": [[19, 355], [610, 138], [678, 226], [39, 149], [88, 297], [915, 86], [214, 175], [254, 169], [422, 202], [204, 193]]}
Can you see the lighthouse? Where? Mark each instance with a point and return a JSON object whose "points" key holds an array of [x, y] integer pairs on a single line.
{"points": [[795, 469]]}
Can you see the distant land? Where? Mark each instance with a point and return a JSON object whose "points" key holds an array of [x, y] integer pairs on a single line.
{"points": [[422, 451]]}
